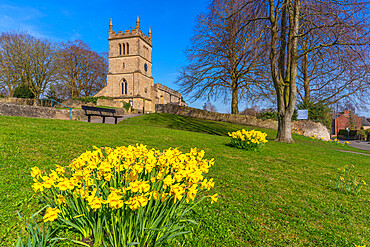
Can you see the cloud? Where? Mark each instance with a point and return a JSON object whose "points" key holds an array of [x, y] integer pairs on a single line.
{"points": [[67, 13], [15, 18]]}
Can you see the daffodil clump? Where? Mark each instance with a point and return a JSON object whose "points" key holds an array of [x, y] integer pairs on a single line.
{"points": [[250, 140], [315, 137], [337, 142], [125, 196], [347, 181]]}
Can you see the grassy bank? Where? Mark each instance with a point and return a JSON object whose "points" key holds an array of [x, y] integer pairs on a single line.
{"points": [[283, 195]]}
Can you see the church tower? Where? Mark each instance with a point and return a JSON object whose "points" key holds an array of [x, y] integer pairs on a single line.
{"points": [[129, 77], [130, 67]]}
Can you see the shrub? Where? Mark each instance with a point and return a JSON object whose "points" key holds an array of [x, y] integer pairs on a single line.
{"points": [[317, 112], [250, 140], [347, 180], [23, 91], [345, 134], [125, 196], [361, 134], [272, 114], [127, 106]]}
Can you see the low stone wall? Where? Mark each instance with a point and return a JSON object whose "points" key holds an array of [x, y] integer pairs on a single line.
{"points": [[46, 112], [74, 103], [307, 128], [79, 114], [26, 111], [100, 102], [311, 129], [110, 103], [223, 117], [16, 101]]}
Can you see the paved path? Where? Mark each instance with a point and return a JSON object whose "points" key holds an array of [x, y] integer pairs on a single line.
{"points": [[358, 144], [346, 151], [110, 120]]}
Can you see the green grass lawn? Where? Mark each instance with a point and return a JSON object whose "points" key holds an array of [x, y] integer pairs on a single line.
{"points": [[282, 196]]}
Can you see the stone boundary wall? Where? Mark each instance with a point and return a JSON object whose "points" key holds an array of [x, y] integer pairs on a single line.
{"points": [[46, 112], [26, 111], [305, 127], [16, 101]]}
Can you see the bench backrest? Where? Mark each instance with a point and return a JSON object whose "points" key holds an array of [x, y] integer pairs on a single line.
{"points": [[91, 108]]}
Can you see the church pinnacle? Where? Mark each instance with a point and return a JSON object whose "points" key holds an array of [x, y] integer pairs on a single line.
{"points": [[150, 32], [137, 22], [110, 25]]}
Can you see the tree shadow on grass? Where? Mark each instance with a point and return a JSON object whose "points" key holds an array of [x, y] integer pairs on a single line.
{"points": [[194, 124], [173, 121]]}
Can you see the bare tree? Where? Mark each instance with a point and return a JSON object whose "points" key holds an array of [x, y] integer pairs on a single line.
{"points": [[284, 21], [224, 54], [28, 60], [82, 71], [331, 74], [39, 68], [208, 106], [9, 62]]}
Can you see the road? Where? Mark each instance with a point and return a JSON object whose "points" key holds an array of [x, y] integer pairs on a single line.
{"points": [[358, 144]]}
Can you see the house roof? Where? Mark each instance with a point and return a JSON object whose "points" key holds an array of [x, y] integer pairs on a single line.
{"points": [[365, 121]]}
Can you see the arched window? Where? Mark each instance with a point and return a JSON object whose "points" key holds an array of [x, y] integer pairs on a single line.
{"points": [[123, 49], [120, 49], [128, 50], [124, 86]]}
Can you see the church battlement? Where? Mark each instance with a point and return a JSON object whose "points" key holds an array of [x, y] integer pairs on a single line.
{"points": [[167, 89], [136, 32]]}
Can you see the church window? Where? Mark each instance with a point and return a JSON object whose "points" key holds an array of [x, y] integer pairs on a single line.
{"points": [[145, 67], [128, 50], [123, 49], [124, 86], [123, 65], [120, 49]]}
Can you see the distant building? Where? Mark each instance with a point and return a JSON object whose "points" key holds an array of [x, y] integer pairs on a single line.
{"points": [[129, 76], [365, 123], [346, 119]]}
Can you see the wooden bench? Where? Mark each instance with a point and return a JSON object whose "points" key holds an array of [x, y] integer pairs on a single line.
{"points": [[100, 112]]}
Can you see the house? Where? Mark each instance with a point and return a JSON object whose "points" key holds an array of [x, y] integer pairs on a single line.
{"points": [[365, 123], [344, 120]]}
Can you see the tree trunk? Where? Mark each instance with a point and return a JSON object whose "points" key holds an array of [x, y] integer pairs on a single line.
{"points": [[235, 101], [36, 100], [306, 80], [284, 128], [283, 61]]}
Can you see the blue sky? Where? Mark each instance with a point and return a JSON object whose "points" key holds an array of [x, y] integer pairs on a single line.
{"points": [[172, 24]]}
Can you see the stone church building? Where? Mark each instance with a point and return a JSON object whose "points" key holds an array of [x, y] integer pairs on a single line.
{"points": [[129, 76]]}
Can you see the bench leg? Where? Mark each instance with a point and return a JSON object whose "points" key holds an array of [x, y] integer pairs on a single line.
{"points": [[115, 120], [88, 119], [103, 119]]}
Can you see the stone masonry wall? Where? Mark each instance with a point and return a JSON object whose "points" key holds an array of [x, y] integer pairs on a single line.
{"points": [[47, 112], [307, 128], [26, 111], [16, 101]]}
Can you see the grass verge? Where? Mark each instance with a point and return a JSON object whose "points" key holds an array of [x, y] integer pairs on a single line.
{"points": [[283, 195]]}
